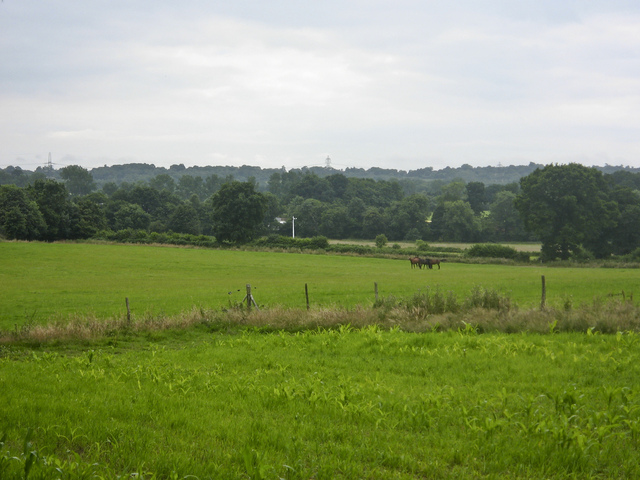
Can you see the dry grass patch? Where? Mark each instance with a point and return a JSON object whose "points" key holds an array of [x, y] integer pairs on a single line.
{"points": [[414, 314]]}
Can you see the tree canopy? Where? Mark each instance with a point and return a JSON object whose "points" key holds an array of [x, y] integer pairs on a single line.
{"points": [[568, 208], [237, 212]]}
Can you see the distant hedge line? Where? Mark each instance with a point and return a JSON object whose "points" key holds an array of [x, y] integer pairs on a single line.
{"points": [[131, 235], [271, 241], [493, 250]]}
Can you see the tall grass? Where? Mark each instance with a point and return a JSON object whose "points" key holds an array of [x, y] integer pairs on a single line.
{"points": [[325, 403], [430, 310]]}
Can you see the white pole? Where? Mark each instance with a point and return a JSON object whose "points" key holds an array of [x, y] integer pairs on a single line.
{"points": [[293, 226]]}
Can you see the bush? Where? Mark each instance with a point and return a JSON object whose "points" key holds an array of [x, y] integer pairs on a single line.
{"points": [[381, 240], [319, 242], [422, 246], [582, 255], [281, 241], [487, 299], [130, 235], [633, 256], [492, 250]]}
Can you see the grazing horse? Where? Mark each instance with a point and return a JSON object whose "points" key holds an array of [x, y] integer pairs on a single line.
{"points": [[415, 261], [427, 262], [434, 261]]}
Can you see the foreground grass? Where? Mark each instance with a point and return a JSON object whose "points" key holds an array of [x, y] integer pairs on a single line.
{"points": [[43, 283], [234, 402]]}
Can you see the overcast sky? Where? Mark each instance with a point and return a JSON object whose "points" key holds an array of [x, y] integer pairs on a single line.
{"points": [[394, 84]]}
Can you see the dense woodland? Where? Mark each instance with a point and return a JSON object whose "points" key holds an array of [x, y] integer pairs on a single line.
{"points": [[575, 211]]}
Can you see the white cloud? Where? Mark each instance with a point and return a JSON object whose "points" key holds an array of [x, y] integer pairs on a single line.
{"points": [[391, 84]]}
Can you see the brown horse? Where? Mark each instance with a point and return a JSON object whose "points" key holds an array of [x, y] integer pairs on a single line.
{"points": [[427, 262], [434, 261], [415, 261]]}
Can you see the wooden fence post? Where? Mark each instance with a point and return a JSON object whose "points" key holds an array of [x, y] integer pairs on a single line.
{"points": [[306, 294], [126, 301], [249, 298], [544, 294], [375, 285]]}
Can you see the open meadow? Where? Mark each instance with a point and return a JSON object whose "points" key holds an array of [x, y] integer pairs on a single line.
{"points": [[43, 282], [323, 404], [234, 395]]}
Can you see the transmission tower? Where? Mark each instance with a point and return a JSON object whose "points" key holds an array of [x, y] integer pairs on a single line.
{"points": [[328, 162], [49, 166]]}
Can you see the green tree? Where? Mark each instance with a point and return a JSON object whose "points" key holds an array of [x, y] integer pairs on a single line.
{"points": [[476, 196], [308, 215], [312, 186], [568, 208], [373, 223], [188, 185], [90, 217], [78, 180], [237, 212], [459, 222], [272, 210], [20, 217], [407, 215], [504, 219], [355, 214], [436, 226], [626, 234], [339, 184], [130, 215], [158, 204], [453, 191], [185, 219], [53, 202], [334, 221], [163, 182], [110, 188]]}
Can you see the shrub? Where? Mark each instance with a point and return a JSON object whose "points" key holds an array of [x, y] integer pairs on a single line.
{"points": [[491, 250], [487, 299], [381, 240], [422, 246], [319, 242], [634, 256], [281, 241]]}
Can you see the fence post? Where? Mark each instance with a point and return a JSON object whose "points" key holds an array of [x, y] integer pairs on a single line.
{"points": [[375, 285], [248, 296], [126, 301], [306, 294], [544, 294]]}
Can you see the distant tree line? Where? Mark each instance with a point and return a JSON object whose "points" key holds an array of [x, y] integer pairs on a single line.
{"points": [[575, 211], [426, 179]]}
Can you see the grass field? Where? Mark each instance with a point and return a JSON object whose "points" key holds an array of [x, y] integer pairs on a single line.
{"points": [[43, 282], [234, 399], [338, 404]]}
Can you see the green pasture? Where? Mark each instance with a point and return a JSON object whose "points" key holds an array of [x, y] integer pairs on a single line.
{"points": [[338, 404], [43, 282]]}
